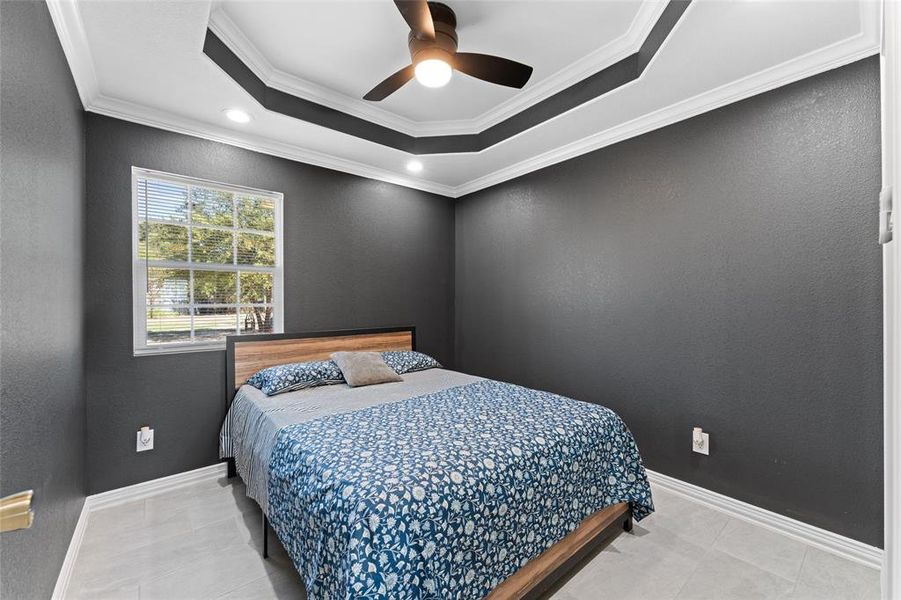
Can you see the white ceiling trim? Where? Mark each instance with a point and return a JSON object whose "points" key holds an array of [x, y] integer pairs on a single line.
{"points": [[603, 57], [70, 29], [227, 31], [135, 113], [74, 42], [628, 43], [836, 55], [73, 38]]}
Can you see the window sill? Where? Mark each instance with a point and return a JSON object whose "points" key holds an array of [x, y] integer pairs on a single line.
{"points": [[151, 351]]}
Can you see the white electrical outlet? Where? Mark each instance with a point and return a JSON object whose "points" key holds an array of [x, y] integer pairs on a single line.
{"points": [[145, 439], [700, 441]]}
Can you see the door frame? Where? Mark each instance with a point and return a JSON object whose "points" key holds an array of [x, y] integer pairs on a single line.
{"points": [[890, 61]]}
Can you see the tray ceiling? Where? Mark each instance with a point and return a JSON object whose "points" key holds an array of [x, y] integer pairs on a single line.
{"points": [[143, 61], [303, 48]]}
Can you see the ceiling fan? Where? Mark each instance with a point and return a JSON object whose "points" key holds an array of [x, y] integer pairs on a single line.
{"points": [[433, 48]]}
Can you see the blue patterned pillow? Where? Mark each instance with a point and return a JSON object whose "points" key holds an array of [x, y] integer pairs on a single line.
{"points": [[406, 361], [296, 376]]}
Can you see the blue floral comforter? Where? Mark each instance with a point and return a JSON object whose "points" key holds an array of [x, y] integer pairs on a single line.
{"points": [[445, 495]]}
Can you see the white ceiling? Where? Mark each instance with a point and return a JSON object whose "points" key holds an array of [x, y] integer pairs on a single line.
{"points": [[338, 51], [142, 61]]}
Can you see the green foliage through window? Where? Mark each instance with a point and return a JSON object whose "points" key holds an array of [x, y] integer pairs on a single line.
{"points": [[209, 257]]}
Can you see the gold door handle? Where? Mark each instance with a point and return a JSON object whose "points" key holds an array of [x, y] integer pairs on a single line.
{"points": [[15, 511]]}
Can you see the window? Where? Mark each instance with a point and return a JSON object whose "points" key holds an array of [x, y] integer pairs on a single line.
{"points": [[207, 262]]}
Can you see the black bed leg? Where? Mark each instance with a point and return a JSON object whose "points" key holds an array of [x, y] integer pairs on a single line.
{"points": [[230, 465], [627, 523], [265, 537]]}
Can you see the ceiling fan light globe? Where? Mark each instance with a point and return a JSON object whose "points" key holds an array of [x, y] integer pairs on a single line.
{"points": [[433, 73]]}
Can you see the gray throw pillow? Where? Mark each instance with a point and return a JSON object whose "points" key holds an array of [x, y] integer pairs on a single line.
{"points": [[364, 368]]}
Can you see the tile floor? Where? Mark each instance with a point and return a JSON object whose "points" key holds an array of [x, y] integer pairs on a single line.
{"points": [[202, 541]]}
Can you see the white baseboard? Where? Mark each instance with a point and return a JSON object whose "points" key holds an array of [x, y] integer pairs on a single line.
{"points": [[825, 540], [65, 572], [121, 496], [154, 487]]}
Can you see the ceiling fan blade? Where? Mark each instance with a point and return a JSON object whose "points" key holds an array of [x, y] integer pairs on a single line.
{"points": [[391, 84], [418, 16], [494, 69]]}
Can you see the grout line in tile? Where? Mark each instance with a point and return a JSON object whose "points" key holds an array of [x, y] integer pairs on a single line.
{"points": [[702, 558], [692, 573], [274, 576], [801, 570], [144, 582], [720, 532]]}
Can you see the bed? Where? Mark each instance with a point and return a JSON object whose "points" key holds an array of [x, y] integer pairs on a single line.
{"points": [[442, 485]]}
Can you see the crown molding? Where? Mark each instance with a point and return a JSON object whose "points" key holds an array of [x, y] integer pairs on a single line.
{"points": [[862, 45], [70, 30], [128, 111], [74, 42], [231, 35], [73, 39]]}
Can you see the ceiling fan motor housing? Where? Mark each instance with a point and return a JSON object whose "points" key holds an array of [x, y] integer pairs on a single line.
{"points": [[433, 49], [444, 46]]}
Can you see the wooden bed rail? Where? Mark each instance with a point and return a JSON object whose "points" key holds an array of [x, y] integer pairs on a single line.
{"points": [[542, 572]]}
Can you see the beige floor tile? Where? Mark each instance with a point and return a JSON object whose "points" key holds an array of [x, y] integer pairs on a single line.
{"points": [[720, 576], [121, 515], [210, 576], [632, 571], [204, 541], [280, 586], [104, 590], [651, 531], [687, 520], [145, 559], [202, 505], [132, 532], [824, 575], [762, 548], [635, 566], [872, 588], [562, 595]]}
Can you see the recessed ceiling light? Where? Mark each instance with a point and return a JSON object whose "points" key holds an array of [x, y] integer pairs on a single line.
{"points": [[414, 166], [433, 72], [237, 115]]}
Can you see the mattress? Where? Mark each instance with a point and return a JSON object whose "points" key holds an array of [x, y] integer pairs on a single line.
{"points": [[440, 486], [254, 419]]}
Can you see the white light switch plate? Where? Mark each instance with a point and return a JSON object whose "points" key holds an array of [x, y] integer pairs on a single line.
{"points": [[141, 446], [702, 446]]}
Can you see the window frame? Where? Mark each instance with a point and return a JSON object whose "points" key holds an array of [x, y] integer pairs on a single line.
{"points": [[139, 265]]}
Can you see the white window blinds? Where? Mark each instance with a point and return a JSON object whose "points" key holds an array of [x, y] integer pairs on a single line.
{"points": [[207, 262]]}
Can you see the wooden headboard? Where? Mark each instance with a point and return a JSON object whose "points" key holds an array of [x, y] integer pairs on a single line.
{"points": [[247, 354]]}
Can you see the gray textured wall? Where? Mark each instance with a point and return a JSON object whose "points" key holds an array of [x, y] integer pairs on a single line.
{"points": [[720, 272], [42, 413], [358, 253]]}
